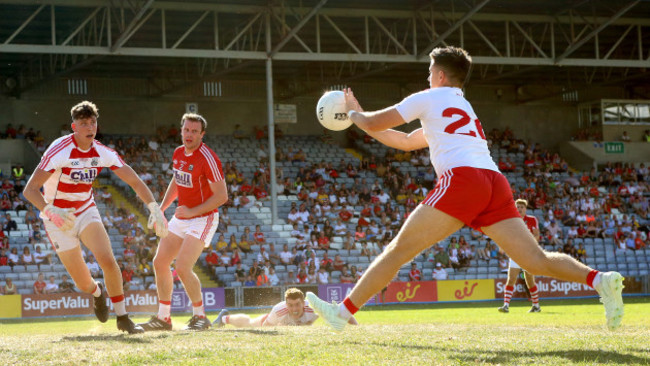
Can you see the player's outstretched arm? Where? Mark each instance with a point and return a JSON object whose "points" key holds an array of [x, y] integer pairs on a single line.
{"points": [[219, 197], [157, 220], [170, 195], [129, 177], [401, 140]]}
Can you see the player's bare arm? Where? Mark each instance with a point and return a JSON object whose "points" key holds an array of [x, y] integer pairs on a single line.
{"points": [[157, 220], [219, 197], [401, 140], [32, 189], [128, 175], [170, 195]]}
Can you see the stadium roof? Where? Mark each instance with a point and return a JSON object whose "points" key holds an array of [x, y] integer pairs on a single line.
{"points": [[312, 42]]}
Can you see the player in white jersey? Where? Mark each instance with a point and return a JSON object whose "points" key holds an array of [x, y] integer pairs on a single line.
{"points": [[514, 269], [471, 191], [66, 172], [294, 310]]}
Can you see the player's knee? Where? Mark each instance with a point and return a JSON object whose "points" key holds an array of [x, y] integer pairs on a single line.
{"points": [[184, 270], [108, 264], [160, 263]]}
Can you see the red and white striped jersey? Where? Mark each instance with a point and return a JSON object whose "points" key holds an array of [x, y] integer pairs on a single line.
{"points": [[193, 174], [280, 316], [74, 171]]}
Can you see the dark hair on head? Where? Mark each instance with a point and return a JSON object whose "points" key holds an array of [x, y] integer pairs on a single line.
{"points": [[84, 110], [454, 61], [196, 118]]}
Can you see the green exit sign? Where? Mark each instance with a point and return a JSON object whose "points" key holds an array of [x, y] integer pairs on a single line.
{"points": [[614, 148]]}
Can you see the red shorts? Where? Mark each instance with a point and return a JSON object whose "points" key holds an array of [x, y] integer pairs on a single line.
{"points": [[477, 197]]}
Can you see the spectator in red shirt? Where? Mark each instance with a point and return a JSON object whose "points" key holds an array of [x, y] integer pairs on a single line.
{"points": [[258, 235], [582, 232], [40, 284], [260, 192], [345, 214], [245, 187], [212, 260], [367, 211], [127, 276], [414, 274], [338, 263], [323, 241], [327, 263], [4, 260], [302, 276]]}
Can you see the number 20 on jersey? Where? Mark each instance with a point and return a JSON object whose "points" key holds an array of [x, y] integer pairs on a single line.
{"points": [[463, 121]]}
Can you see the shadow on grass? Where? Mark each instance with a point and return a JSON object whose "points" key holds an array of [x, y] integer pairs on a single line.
{"points": [[249, 330], [122, 338], [521, 357]]}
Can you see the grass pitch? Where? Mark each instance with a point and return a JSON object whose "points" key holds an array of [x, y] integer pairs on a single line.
{"points": [[565, 332]]}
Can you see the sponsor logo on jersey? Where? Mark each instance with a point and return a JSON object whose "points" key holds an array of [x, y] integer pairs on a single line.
{"points": [[75, 163], [84, 175], [183, 179]]}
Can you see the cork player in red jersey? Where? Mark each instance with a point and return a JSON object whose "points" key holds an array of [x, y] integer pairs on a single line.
{"points": [[199, 185]]}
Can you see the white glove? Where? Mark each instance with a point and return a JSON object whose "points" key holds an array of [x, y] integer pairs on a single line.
{"points": [[63, 218], [157, 220]]}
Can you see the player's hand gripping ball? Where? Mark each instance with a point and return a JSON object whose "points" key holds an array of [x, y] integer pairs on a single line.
{"points": [[331, 111]]}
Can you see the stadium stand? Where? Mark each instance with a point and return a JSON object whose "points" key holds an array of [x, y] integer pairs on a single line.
{"points": [[331, 203]]}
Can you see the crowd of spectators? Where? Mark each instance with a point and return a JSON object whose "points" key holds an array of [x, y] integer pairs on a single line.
{"points": [[605, 203], [362, 216]]}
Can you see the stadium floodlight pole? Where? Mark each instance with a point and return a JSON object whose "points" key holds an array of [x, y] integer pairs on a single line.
{"points": [[269, 110]]}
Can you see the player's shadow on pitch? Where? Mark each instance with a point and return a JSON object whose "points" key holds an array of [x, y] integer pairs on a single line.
{"points": [[249, 330], [521, 357], [579, 356], [122, 338]]}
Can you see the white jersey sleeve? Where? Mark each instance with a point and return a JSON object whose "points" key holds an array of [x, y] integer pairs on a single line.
{"points": [[55, 157], [274, 317]]}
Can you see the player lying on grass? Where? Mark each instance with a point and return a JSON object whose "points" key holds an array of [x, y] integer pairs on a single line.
{"points": [[67, 171], [294, 310], [470, 191]]}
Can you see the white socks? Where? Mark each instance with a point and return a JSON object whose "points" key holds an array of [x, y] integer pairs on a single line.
{"points": [[344, 312]]}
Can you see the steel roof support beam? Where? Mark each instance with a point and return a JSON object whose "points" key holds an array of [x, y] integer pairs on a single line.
{"points": [[593, 33], [131, 28], [451, 29], [297, 28], [187, 33], [81, 26], [22, 26]]}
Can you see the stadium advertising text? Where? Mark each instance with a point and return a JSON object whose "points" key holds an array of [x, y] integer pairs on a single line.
{"points": [[548, 287], [140, 301], [213, 299], [465, 290], [56, 304], [337, 292], [418, 291]]}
